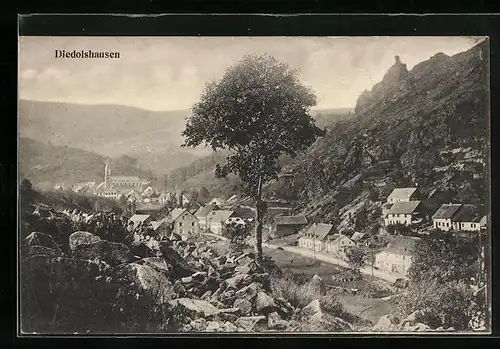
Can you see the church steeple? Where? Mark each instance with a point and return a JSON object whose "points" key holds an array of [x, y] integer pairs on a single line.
{"points": [[107, 174]]}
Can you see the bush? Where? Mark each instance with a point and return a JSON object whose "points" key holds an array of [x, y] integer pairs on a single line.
{"points": [[299, 295], [450, 303]]}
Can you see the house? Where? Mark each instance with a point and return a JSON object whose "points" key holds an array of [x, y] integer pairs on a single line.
{"points": [[457, 217], [216, 220], [139, 219], [246, 213], [202, 214], [358, 237], [315, 236], [339, 245], [164, 198], [148, 192], [182, 222], [287, 225], [398, 195], [218, 201], [404, 212], [397, 256], [402, 195]]}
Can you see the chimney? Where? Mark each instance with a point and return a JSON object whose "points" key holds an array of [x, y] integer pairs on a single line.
{"points": [[398, 60]]}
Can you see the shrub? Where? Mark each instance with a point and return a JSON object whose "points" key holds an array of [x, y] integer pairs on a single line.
{"points": [[300, 295]]}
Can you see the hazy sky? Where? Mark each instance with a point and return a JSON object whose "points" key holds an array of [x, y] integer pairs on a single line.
{"points": [[169, 73]]}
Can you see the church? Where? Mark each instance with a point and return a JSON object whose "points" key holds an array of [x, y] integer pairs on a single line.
{"points": [[115, 186]]}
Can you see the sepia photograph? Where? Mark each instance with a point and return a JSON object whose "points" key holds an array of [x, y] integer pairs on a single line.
{"points": [[280, 184]]}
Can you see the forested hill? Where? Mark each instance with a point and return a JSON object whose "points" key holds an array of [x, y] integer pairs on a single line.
{"points": [[45, 165], [426, 127]]}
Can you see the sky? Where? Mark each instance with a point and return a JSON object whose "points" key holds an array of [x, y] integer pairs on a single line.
{"points": [[169, 73]]}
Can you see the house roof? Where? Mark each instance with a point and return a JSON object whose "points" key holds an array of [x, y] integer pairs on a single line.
{"points": [[357, 236], [244, 212], [404, 207], [402, 245], [467, 213], [205, 210], [157, 224], [124, 178], [139, 218], [290, 220], [446, 211], [320, 230], [339, 238], [402, 193], [149, 207], [175, 213], [484, 221], [219, 215]]}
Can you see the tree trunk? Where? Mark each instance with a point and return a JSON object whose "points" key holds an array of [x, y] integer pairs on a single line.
{"points": [[258, 221]]}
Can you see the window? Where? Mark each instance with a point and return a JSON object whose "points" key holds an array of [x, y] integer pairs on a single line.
{"points": [[192, 224], [180, 224]]}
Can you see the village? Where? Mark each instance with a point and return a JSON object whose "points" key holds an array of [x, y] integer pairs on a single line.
{"points": [[406, 217]]}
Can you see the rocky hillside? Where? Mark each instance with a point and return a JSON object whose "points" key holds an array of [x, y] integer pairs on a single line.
{"points": [[45, 165], [427, 127]]}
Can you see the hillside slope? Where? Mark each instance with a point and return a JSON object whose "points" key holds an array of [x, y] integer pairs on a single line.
{"points": [[45, 165], [110, 130], [427, 127]]}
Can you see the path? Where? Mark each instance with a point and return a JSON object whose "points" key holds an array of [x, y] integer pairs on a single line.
{"points": [[381, 274], [333, 260]]}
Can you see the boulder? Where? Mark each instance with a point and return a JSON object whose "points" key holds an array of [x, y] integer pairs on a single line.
{"points": [[198, 325], [419, 316], [248, 292], [145, 280], [180, 267], [228, 327], [386, 323], [248, 322], [139, 250], [275, 322], [264, 304], [244, 306], [82, 237], [238, 280], [264, 279], [327, 323], [157, 263], [316, 286], [313, 309], [113, 253], [42, 250], [212, 326], [194, 308], [41, 239]]}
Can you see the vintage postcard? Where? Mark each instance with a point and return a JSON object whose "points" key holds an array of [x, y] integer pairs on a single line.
{"points": [[285, 185]]}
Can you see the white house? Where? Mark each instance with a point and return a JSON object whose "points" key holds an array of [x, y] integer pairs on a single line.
{"points": [[402, 195], [339, 246], [202, 214], [403, 212], [397, 257], [183, 222], [457, 217], [316, 235], [398, 195], [217, 219]]}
